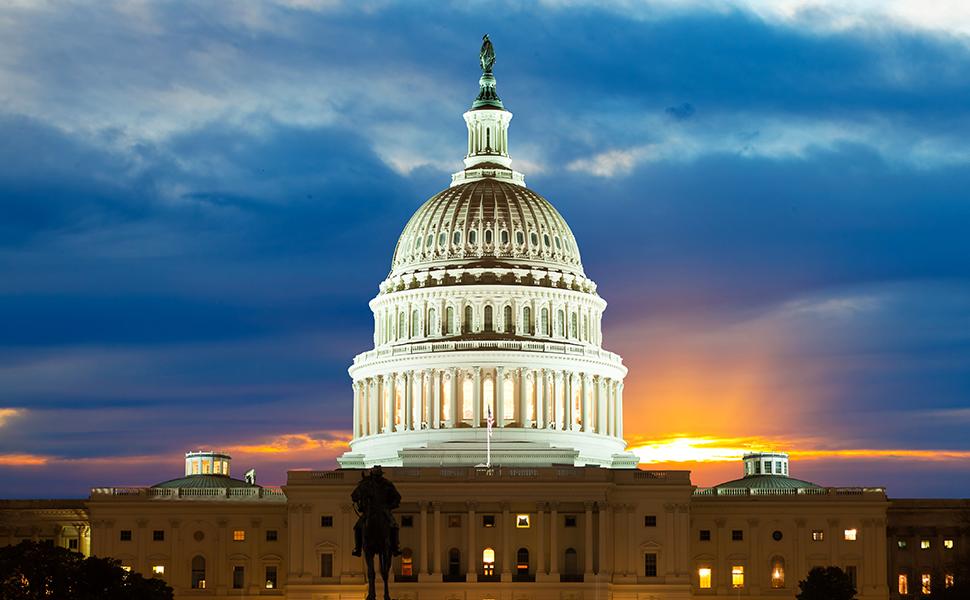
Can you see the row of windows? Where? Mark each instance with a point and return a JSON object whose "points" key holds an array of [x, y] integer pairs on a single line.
{"points": [[818, 535], [924, 544], [577, 327], [925, 583], [548, 242], [238, 535], [198, 579], [705, 574]]}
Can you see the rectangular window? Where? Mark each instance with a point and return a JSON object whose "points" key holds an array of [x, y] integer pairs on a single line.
{"points": [[704, 578], [239, 535], [737, 535], [650, 564], [125, 535], [326, 565], [272, 535], [705, 535], [850, 535], [522, 521], [407, 521], [926, 584], [818, 535], [737, 576], [454, 520], [903, 584], [488, 520], [924, 544], [72, 544], [948, 544], [326, 521], [158, 535], [270, 579], [158, 569], [238, 577], [650, 520], [901, 544], [948, 580], [851, 572], [570, 520]]}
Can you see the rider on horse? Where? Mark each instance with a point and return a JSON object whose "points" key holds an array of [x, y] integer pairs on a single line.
{"points": [[375, 497]]}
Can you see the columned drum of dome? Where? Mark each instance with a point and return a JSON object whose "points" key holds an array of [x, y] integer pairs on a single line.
{"points": [[487, 312]]}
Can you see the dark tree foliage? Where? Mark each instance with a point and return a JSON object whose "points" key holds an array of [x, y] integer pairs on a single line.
{"points": [[35, 571], [826, 583]]}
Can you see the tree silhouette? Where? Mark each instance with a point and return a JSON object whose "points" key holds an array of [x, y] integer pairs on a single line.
{"points": [[826, 583], [38, 570]]}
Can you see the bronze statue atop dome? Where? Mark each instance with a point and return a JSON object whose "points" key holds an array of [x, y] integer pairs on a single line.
{"points": [[487, 55]]}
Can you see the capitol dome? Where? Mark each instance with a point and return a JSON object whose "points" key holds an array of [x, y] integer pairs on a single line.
{"points": [[487, 331]]}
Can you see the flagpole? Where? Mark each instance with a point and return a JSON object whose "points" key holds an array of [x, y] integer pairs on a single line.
{"points": [[488, 439]]}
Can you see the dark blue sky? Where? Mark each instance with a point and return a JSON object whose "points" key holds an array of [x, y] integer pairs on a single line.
{"points": [[198, 200]]}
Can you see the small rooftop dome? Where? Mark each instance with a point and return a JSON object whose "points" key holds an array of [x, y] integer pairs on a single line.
{"points": [[765, 463], [207, 462], [208, 469], [766, 471]]}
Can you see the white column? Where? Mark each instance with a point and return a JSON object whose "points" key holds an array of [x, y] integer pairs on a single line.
{"points": [[498, 396], [436, 399], [619, 410], [455, 417], [539, 383], [587, 403], [408, 399], [477, 399], [372, 406], [568, 397], [601, 406], [524, 400], [356, 411]]}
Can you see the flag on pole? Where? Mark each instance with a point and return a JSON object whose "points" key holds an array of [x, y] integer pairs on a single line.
{"points": [[488, 436]]}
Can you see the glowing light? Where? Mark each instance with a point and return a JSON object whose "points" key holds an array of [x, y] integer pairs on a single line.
{"points": [[737, 576], [704, 577], [158, 569], [851, 535]]}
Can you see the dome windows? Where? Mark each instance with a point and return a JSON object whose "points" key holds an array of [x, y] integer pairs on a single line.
{"points": [[545, 239], [504, 236], [442, 238], [488, 236], [534, 238], [558, 243], [519, 238], [472, 237], [456, 239], [427, 244]]}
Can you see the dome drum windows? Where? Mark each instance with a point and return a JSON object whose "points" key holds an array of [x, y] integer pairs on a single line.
{"points": [[456, 238], [519, 238], [472, 237], [504, 237], [488, 237]]}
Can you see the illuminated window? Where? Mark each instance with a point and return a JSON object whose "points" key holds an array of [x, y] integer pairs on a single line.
{"points": [[818, 535], [925, 584], [901, 544], [522, 562], [778, 572], [704, 578], [948, 544], [737, 576], [488, 562], [924, 544], [158, 569], [407, 562], [271, 578], [903, 584], [650, 564], [850, 535], [126, 568], [522, 521], [239, 535], [948, 580], [198, 573]]}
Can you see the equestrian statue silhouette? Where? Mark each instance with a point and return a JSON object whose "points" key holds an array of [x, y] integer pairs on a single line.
{"points": [[376, 533]]}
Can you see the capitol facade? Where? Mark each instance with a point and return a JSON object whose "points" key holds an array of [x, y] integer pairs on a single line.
{"points": [[496, 411]]}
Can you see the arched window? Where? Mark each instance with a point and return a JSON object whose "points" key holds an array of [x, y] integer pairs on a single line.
{"points": [[488, 397], [442, 238], [198, 573], [473, 236], [570, 562], [504, 237], [586, 327], [544, 322], [456, 238], [519, 238], [450, 320], [468, 399], [508, 319], [466, 326], [561, 323], [454, 562], [432, 322], [430, 239], [558, 243], [415, 324], [534, 238], [407, 563], [527, 320], [488, 562], [488, 317], [574, 326], [522, 562], [777, 572], [401, 326], [545, 239], [488, 236]]}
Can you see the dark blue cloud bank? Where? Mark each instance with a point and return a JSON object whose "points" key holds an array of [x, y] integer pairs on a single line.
{"points": [[197, 203]]}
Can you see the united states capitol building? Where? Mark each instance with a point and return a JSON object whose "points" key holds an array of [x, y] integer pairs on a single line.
{"points": [[492, 404]]}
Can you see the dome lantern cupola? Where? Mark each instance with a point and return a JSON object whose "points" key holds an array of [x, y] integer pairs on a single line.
{"points": [[488, 130], [207, 462], [765, 463]]}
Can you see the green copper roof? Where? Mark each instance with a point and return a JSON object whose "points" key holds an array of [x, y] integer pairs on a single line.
{"points": [[767, 482], [205, 481]]}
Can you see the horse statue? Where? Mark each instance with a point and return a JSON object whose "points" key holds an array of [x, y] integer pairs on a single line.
{"points": [[376, 532]]}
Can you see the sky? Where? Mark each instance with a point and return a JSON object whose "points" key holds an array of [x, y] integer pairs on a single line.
{"points": [[197, 201]]}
